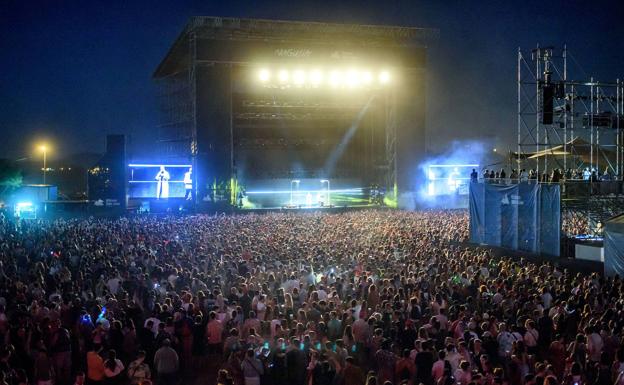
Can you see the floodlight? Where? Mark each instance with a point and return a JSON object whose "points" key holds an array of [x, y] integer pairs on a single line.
{"points": [[264, 75], [299, 77], [353, 78], [316, 77], [283, 76], [384, 77], [335, 78], [367, 77]]}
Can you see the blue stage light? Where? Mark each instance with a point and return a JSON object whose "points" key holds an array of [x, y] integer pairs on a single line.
{"points": [[448, 179], [158, 165]]}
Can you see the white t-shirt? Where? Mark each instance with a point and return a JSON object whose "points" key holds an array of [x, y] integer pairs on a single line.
{"points": [[463, 377], [547, 299], [155, 326], [113, 285], [594, 345], [274, 323], [119, 367]]}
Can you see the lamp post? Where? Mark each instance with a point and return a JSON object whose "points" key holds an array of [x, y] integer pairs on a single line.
{"points": [[44, 149]]}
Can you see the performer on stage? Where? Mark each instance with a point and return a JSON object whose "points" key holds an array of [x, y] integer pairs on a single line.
{"points": [[162, 188], [188, 184]]}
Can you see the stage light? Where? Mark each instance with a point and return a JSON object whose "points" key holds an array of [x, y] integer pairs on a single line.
{"points": [[283, 76], [299, 77], [264, 75], [335, 78], [316, 77], [353, 78], [367, 77], [384, 77]]}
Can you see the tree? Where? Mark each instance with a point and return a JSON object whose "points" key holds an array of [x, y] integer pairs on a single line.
{"points": [[10, 176]]}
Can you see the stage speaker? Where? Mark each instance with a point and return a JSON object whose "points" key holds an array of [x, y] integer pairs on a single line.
{"points": [[116, 154], [107, 179], [548, 94]]}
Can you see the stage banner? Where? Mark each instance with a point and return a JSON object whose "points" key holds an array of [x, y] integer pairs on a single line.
{"points": [[527, 217], [476, 202], [549, 219], [519, 217], [614, 247]]}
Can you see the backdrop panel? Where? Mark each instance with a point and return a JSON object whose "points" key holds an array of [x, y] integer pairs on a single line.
{"points": [[520, 217], [614, 247]]}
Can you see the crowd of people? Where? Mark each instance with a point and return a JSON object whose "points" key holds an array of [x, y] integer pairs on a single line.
{"points": [[363, 297], [555, 175], [575, 222]]}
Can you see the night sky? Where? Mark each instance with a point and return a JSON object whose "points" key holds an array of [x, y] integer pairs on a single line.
{"points": [[73, 71]]}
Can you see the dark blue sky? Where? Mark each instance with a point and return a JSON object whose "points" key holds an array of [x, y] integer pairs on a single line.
{"points": [[73, 71]]}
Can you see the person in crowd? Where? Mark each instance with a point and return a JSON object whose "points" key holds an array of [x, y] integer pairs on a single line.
{"points": [[252, 368], [139, 370], [81, 378], [166, 364], [95, 365], [43, 370], [113, 368], [214, 334], [474, 176]]}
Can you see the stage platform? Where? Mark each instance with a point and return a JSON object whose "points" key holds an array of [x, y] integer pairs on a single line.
{"points": [[332, 209]]}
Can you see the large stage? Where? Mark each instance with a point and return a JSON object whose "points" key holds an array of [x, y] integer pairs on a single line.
{"points": [[261, 108]]}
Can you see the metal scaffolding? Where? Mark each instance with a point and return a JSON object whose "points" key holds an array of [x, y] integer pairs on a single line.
{"points": [[176, 107], [584, 131]]}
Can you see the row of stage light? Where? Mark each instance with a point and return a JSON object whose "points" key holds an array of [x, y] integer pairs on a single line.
{"points": [[351, 78]]}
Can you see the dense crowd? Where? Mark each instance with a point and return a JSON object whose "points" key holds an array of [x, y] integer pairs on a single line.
{"points": [[368, 297], [575, 222]]}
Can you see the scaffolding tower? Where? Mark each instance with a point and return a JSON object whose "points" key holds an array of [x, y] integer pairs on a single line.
{"points": [[566, 120], [177, 116]]}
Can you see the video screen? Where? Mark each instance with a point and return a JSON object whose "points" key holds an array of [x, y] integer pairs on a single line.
{"points": [[160, 181], [449, 179]]}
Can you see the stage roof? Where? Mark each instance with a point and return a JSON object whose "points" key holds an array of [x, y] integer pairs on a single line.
{"points": [[261, 30], [577, 148]]}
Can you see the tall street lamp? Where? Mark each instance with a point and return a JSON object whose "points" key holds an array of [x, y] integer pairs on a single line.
{"points": [[43, 148]]}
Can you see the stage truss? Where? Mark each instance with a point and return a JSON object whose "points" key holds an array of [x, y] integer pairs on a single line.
{"points": [[587, 120]]}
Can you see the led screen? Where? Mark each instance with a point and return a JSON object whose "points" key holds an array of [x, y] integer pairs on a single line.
{"points": [[449, 179], [160, 181]]}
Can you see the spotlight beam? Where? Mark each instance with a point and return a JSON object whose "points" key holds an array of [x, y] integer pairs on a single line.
{"points": [[330, 165]]}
